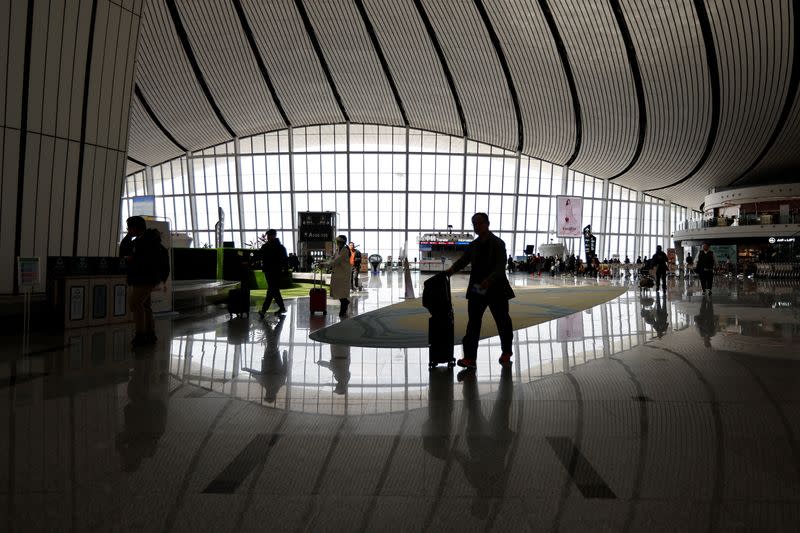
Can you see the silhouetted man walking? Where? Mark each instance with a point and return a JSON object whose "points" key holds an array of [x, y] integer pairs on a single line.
{"points": [[488, 287]]}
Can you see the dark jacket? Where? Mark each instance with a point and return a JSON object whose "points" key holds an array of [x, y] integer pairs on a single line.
{"points": [[274, 260], [487, 261], [145, 266], [659, 260], [705, 260]]}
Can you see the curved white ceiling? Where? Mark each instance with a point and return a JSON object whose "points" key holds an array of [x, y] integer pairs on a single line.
{"points": [[666, 97]]}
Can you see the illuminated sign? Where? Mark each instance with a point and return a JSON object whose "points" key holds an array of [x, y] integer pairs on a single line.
{"points": [[773, 240]]}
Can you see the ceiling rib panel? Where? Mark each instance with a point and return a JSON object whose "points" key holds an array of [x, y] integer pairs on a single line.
{"points": [[478, 76], [288, 53], [779, 162], [411, 58], [754, 72], [146, 141], [716, 79], [165, 76], [605, 85], [355, 66], [132, 168], [545, 102], [228, 65], [676, 87]]}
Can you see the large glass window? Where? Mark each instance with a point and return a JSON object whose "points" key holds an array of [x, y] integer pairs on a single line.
{"points": [[389, 185]]}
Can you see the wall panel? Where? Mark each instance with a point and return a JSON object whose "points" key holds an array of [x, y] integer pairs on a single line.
{"points": [[64, 118]]}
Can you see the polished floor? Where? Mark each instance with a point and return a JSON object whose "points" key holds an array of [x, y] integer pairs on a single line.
{"points": [[650, 412]]}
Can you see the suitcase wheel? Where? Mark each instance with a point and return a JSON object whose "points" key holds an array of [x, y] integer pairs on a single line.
{"points": [[324, 312], [431, 366], [451, 364]]}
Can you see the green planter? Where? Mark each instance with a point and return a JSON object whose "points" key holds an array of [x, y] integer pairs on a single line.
{"points": [[259, 281]]}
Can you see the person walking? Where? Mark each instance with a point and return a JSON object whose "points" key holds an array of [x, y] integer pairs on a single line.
{"points": [[340, 278], [689, 265], [510, 264], [488, 287], [355, 267], [274, 263], [705, 267], [659, 262], [147, 265]]}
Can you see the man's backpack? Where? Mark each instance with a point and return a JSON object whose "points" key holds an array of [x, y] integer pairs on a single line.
{"points": [[163, 263]]}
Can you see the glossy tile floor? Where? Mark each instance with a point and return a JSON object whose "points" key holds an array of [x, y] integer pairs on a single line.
{"points": [[642, 414]]}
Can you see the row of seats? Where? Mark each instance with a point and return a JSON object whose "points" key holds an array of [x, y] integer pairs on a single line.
{"points": [[778, 270]]}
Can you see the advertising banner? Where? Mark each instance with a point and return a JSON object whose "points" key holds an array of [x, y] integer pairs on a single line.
{"points": [[589, 242], [162, 296], [570, 327], [569, 214], [724, 253], [144, 206]]}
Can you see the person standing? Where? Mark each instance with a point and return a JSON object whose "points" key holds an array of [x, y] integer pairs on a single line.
{"points": [[340, 278], [705, 267], [274, 262], [510, 264], [294, 263], [689, 264], [147, 265], [355, 267], [488, 287], [659, 262]]}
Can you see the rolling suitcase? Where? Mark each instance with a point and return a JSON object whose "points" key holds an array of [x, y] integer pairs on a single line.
{"points": [[441, 329], [441, 333], [436, 295], [239, 302], [318, 297]]}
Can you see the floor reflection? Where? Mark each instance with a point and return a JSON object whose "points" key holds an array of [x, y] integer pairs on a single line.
{"points": [[301, 375], [145, 415], [486, 461], [650, 410]]}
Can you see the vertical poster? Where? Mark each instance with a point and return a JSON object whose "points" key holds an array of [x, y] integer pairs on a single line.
{"points": [[77, 298], [589, 242], [99, 301], [569, 216], [120, 300], [162, 297], [570, 327]]}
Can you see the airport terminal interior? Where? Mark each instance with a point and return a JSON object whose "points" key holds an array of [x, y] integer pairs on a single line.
{"points": [[638, 160]]}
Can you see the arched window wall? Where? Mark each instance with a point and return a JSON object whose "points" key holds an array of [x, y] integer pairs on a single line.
{"points": [[389, 185]]}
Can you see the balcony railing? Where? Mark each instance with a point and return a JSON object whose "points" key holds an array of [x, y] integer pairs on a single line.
{"points": [[741, 220]]}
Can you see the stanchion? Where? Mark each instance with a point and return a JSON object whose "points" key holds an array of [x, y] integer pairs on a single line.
{"points": [[409, 284]]}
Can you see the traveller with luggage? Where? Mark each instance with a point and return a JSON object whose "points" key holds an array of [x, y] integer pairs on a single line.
{"points": [[340, 277], [488, 287]]}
